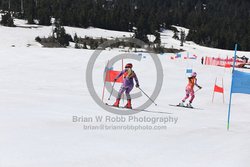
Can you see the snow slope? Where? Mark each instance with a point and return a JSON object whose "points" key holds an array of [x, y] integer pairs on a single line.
{"points": [[22, 37], [42, 89]]}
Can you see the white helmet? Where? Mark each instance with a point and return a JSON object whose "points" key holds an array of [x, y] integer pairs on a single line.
{"points": [[194, 74]]}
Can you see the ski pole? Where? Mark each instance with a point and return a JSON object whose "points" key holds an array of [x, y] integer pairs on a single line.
{"points": [[197, 90], [147, 96], [111, 90]]}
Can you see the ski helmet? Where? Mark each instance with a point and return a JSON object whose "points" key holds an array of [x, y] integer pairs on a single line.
{"points": [[129, 65], [194, 74]]}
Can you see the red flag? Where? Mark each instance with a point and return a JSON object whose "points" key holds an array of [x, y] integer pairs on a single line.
{"points": [[218, 89], [111, 75]]}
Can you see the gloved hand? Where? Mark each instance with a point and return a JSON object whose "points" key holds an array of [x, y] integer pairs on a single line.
{"points": [[115, 80], [137, 85], [199, 87]]}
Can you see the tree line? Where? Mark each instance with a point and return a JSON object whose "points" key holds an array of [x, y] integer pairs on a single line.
{"points": [[212, 23]]}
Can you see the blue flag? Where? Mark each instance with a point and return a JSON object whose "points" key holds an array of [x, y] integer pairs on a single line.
{"points": [[189, 71], [178, 55], [241, 82]]}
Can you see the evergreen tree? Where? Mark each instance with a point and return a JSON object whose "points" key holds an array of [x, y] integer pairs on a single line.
{"points": [[157, 38], [60, 35], [183, 37], [7, 20], [30, 11]]}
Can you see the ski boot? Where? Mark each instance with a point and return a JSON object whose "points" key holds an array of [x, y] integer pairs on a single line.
{"points": [[181, 104], [128, 105], [189, 105], [117, 102]]}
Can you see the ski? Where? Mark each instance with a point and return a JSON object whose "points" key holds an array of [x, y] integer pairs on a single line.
{"points": [[124, 107], [138, 109], [174, 105]]}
